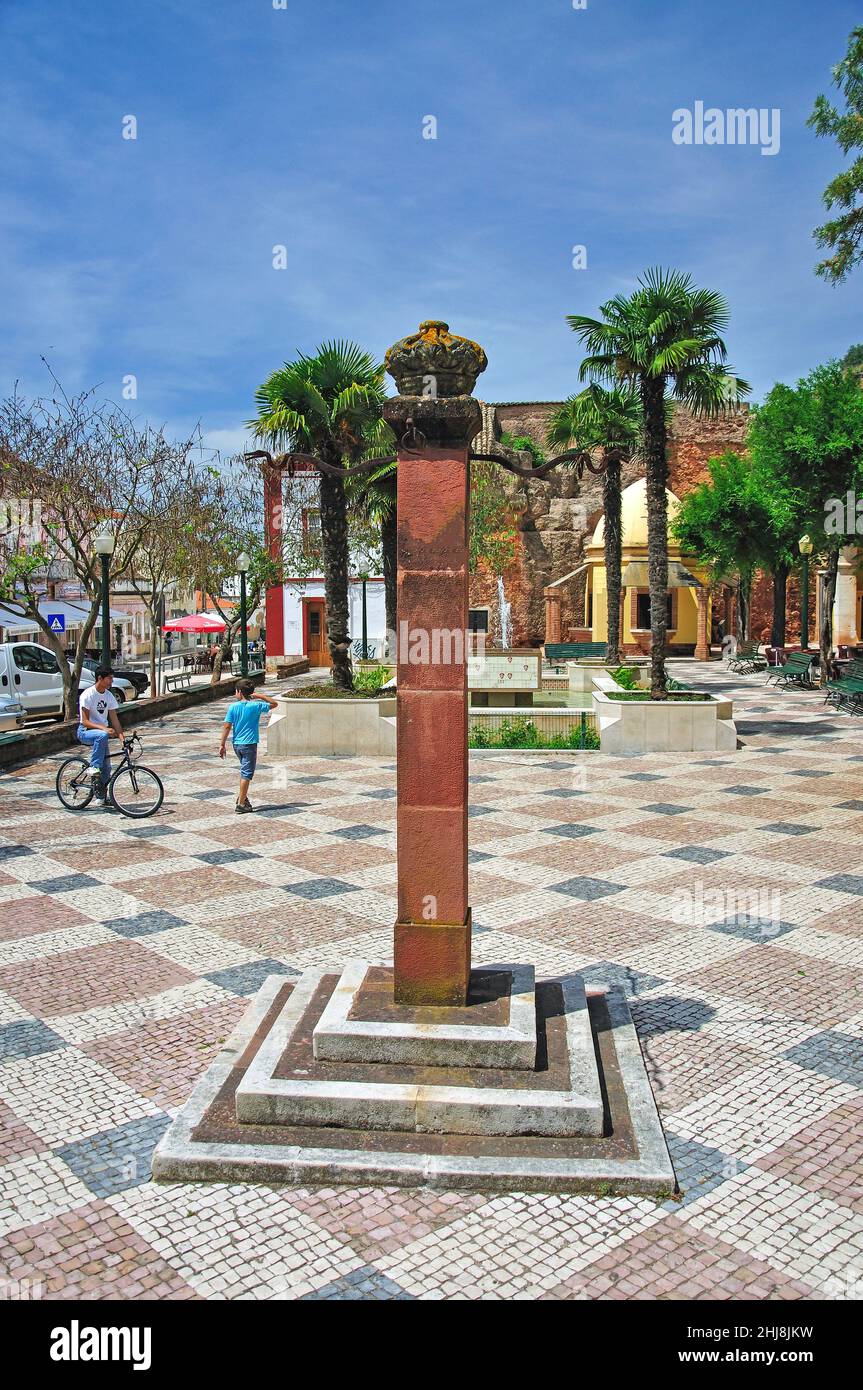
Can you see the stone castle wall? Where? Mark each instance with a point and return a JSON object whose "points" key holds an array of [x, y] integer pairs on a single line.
{"points": [[555, 518]]}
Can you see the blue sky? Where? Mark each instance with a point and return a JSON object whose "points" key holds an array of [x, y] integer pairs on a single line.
{"points": [[303, 127]]}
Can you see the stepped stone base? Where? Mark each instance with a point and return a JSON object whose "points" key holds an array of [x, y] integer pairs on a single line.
{"points": [[269, 1110], [497, 1028], [287, 1083]]}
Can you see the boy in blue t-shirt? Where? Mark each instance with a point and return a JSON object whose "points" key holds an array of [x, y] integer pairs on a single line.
{"points": [[241, 722]]}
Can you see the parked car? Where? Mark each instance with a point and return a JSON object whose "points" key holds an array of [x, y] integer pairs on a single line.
{"points": [[122, 687], [30, 674], [139, 679], [12, 714], [93, 660]]}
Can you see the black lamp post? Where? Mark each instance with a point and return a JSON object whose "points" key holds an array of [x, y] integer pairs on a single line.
{"points": [[243, 563], [103, 544], [805, 547]]}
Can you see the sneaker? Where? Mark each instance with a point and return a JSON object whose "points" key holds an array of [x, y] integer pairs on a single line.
{"points": [[242, 810], [93, 773]]}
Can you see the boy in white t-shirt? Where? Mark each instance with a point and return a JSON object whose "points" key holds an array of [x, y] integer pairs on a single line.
{"points": [[99, 722]]}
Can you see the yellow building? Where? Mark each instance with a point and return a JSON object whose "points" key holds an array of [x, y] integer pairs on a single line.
{"points": [[688, 584]]}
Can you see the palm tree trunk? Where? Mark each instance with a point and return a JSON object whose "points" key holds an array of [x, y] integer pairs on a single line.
{"points": [[390, 564], [334, 538], [828, 596], [780, 589], [744, 586], [656, 457], [611, 505]]}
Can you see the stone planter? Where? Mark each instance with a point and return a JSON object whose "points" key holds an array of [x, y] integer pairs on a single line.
{"points": [[325, 727], [662, 726], [583, 675]]}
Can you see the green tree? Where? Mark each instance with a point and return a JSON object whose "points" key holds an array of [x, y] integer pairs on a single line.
{"points": [[663, 338], [372, 500], [770, 429], [611, 421], [853, 359], [732, 522], [329, 406], [491, 519], [228, 521], [815, 434], [84, 463], [843, 234]]}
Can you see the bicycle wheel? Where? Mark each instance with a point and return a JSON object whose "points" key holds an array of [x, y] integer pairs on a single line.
{"points": [[74, 785], [136, 791]]}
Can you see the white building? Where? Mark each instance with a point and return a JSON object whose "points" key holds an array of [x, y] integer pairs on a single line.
{"points": [[304, 618]]}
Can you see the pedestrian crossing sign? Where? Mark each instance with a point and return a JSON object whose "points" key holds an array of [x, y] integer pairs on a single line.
{"points": [[57, 622]]}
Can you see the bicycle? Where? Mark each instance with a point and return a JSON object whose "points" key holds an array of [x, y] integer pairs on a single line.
{"points": [[133, 790]]}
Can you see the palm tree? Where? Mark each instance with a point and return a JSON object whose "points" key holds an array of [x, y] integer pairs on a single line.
{"points": [[329, 406], [664, 336], [609, 420]]}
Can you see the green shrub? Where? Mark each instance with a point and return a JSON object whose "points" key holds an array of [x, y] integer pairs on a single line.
{"points": [[523, 733], [626, 677], [583, 736], [518, 733], [371, 679], [480, 737]]}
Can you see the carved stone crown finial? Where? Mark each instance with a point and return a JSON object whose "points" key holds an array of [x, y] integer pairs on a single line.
{"points": [[435, 362]]}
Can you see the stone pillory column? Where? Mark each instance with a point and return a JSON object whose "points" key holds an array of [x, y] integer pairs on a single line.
{"points": [[434, 418], [275, 599]]}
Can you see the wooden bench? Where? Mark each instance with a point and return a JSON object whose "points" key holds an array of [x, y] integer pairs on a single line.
{"points": [[745, 658], [848, 688], [796, 671], [179, 680], [556, 652], [846, 692]]}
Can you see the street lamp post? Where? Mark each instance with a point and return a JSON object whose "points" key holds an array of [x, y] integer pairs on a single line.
{"points": [[805, 547], [243, 563], [364, 578], [103, 544]]}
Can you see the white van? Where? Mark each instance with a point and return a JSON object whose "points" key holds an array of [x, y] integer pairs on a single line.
{"points": [[30, 673]]}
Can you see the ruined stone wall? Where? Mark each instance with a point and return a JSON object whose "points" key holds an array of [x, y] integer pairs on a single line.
{"points": [[555, 518], [693, 440]]}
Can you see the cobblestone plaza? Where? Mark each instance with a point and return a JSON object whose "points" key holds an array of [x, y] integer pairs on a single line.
{"points": [[722, 892]]}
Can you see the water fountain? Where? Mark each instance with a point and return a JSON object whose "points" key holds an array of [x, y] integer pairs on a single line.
{"points": [[504, 611]]}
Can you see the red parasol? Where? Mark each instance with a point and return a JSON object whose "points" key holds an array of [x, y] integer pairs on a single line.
{"points": [[196, 622]]}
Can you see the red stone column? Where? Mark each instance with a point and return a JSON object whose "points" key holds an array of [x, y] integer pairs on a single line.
{"points": [[432, 933], [275, 602], [552, 613], [702, 646]]}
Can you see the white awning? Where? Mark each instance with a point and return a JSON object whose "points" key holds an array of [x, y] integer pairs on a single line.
{"points": [[13, 619]]}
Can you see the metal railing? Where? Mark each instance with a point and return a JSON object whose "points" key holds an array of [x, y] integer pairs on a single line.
{"points": [[577, 726]]}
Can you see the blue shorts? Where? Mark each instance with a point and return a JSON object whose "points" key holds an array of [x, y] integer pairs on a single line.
{"points": [[248, 756]]}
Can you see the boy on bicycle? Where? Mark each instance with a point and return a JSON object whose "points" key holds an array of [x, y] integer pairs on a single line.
{"points": [[242, 719], [99, 722]]}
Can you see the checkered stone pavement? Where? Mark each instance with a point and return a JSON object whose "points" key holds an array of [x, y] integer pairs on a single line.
{"points": [[723, 892]]}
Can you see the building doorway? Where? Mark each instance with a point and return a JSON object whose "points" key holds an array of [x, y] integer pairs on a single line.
{"points": [[315, 643]]}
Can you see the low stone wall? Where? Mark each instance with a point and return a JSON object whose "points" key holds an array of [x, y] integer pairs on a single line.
{"points": [[364, 727], [583, 675], [52, 738]]}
